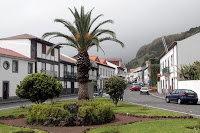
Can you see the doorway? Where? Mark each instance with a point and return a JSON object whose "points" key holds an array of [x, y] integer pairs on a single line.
{"points": [[5, 90]]}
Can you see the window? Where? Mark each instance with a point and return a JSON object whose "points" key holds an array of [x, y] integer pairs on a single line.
{"points": [[103, 72], [30, 68], [43, 49], [52, 52], [6, 65], [52, 68], [172, 62], [15, 66], [65, 84], [100, 71], [65, 68], [43, 66], [72, 69]]}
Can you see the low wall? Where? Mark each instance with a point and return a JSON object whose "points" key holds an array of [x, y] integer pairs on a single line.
{"points": [[190, 84]]}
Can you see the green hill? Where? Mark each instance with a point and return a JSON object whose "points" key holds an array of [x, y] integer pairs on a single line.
{"points": [[156, 48]]}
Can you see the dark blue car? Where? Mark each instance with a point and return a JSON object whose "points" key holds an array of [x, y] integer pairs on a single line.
{"points": [[182, 96]]}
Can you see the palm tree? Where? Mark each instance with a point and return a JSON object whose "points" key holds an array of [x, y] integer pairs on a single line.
{"points": [[83, 38]]}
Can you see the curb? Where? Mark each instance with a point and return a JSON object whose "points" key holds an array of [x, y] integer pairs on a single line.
{"points": [[156, 96]]}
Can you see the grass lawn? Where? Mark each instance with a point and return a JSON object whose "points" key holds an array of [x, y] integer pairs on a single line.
{"points": [[121, 108], [156, 126], [16, 112], [10, 129]]}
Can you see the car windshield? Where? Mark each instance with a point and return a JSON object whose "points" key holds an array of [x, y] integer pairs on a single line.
{"points": [[144, 88]]}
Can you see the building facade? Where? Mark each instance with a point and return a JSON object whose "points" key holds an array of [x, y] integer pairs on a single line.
{"points": [[14, 67], [37, 49], [179, 53]]}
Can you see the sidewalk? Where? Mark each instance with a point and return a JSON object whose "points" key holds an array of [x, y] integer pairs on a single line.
{"points": [[156, 94]]}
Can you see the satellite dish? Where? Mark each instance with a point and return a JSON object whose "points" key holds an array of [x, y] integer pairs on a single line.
{"points": [[164, 43]]}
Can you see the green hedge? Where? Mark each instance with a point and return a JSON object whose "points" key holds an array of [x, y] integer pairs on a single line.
{"points": [[46, 114], [95, 112]]}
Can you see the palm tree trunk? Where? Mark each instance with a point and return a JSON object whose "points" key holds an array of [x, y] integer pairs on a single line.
{"points": [[83, 66]]}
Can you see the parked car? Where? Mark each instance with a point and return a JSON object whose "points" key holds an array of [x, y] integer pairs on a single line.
{"points": [[144, 90], [182, 96], [135, 88]]}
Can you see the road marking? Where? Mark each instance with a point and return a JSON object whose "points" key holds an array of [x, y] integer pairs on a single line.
{"points": [[195, 115]]}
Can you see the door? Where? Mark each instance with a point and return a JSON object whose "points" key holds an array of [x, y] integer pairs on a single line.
{"points": [[5, 90], [72, 87]]}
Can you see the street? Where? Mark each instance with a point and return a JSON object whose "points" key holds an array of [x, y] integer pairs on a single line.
{"points": [[27, 103], [134, 97]]}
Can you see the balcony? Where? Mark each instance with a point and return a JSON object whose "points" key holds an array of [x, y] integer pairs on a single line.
{"points": [[165, 70], [70, 75], [48, 72]]}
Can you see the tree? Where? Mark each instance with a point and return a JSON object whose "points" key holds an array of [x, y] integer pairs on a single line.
{"points": [[38, 87], [82, 39], [115, 87]]}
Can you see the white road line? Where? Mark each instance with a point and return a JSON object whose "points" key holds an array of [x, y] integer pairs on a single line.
{"points": [[195, 115]]}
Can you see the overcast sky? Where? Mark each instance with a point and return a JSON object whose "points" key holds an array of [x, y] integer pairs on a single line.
{"points": [[136, 22]]}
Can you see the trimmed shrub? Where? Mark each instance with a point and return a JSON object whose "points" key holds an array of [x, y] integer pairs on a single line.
{"points": [[46, 114], [39, 87], [115, 87], [95, 112]]}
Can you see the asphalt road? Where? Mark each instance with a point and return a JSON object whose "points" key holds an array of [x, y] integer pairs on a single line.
{"points": [[134, 97], [7, 106]]}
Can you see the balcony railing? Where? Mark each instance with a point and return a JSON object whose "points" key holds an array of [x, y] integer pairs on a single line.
{"points": [[52, 73], [165, 70], [70, 75]]}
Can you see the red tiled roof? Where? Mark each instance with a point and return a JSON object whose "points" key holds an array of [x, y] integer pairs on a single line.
{"points": [[170, 47], [100, 61], [103, 61], [113, 59], [9, 52], [94, 58], [23, 36], [67, 59], [131, 70], [123, 66]]}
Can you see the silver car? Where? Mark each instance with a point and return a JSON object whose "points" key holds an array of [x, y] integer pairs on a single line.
{"points": [[144, 90]]}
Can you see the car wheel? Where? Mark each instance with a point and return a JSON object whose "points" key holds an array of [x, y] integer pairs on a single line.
{"points": [[179, 101], [135, 90], [195, 103], [167, 100]]}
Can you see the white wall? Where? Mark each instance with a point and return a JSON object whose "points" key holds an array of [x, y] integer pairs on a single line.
{"points": [[61, 70], [188, 50], [13, 78], [21, 46], [56, 54], [190, 84], [39, 50]]}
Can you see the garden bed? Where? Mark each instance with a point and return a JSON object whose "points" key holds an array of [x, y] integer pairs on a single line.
{"points": [[120, 119]]}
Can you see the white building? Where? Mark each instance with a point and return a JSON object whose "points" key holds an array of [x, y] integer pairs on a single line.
{"points": [[35, 48], [104, 70], [119, 71], [179, 53], [68, 75], [14, 67]]}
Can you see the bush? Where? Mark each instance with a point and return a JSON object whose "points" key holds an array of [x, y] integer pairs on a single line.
{"points": [[46, 114], [95, 112], [39, 87], [115, 87]]}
